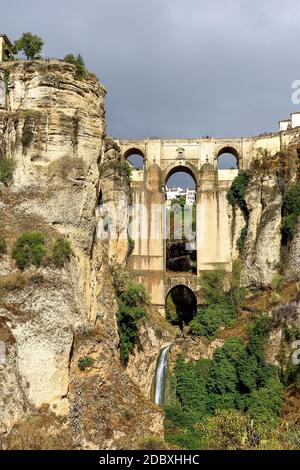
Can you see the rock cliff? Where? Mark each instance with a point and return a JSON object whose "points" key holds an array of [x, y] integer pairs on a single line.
{"points": [[54, 131]]}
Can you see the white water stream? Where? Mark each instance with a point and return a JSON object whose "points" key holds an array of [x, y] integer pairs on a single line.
{"points": [[161, 376]]}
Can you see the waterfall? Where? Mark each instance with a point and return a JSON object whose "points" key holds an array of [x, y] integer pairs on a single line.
{"points": [[161, 376]]}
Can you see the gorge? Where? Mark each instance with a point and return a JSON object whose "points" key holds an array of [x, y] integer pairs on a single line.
{"points": [[85, 322]]}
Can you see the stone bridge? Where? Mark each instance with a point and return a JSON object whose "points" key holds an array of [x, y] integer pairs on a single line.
{"points": [[216, 225]]}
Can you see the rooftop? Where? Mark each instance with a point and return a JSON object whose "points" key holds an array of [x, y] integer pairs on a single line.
{"points": [[6, 39]]}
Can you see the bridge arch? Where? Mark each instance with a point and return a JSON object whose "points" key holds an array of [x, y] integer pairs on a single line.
{"points": [[227, 158], [136, 158], [185, 167], [181, 305]]}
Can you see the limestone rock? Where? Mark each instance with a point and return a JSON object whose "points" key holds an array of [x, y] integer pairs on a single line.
{"points": [[54, 131], [262, 249]]}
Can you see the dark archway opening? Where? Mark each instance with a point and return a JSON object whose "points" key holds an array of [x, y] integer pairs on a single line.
{"points": [[181, 306], [136, 158], [228, 159], [181, 247]]}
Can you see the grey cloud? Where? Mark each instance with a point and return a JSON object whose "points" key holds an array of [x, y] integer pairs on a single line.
{"points": [[176, 68]]}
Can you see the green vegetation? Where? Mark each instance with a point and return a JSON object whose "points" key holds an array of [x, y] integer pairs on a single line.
{"points": [[291, 211], [81, 71], [171, 311], [237, 191], [6, 79], [235, 430], [6, 170], [242, 239], [132, 299], [61, 252], [236, 195], [30, 44], [120, 276], [209, 319], [85, 362], [127, 169], [289, 372], [131, 246], [29, 249], [181, 201], [131, 309], [215, 396], [277, 282], [228, 429], [221, 307], [3, 246]]}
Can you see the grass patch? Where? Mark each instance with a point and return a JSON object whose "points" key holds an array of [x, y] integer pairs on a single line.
{"points": [[85, 362]]}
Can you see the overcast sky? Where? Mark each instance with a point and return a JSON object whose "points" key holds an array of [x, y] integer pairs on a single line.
{"points": [[176, 68]]}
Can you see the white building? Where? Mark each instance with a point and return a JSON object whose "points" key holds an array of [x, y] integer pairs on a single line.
{"points": [[190, 197], [176, 193], [291, 123]]}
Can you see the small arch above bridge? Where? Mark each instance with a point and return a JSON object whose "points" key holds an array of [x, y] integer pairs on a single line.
{"points": [[227, 158], [136, 158]]}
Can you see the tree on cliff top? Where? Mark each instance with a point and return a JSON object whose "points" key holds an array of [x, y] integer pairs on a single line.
{"points": [[79, 64], [30, 44]]}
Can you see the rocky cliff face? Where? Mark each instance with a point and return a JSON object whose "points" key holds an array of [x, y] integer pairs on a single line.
{"points": [[270, 178], [262, 249], [54, 131]]}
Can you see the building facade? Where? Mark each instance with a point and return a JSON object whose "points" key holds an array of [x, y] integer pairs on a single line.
{"points": [[6, 48]]}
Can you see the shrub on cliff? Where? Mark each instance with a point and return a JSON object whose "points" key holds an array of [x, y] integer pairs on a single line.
{"points": [[78, 61], [30, 44], [237, 191], [209, 319], [85, 362], [61, 252], [265, 403], [131, 246], [29, 249], [242, 239], [120, 276], [6, 170], [127, 170], [219, 309], [291, 211], [3, 246], [131, 309]]}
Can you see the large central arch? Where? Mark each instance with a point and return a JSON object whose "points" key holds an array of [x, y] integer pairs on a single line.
{"points": [[181, 246], [185, 167]]}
